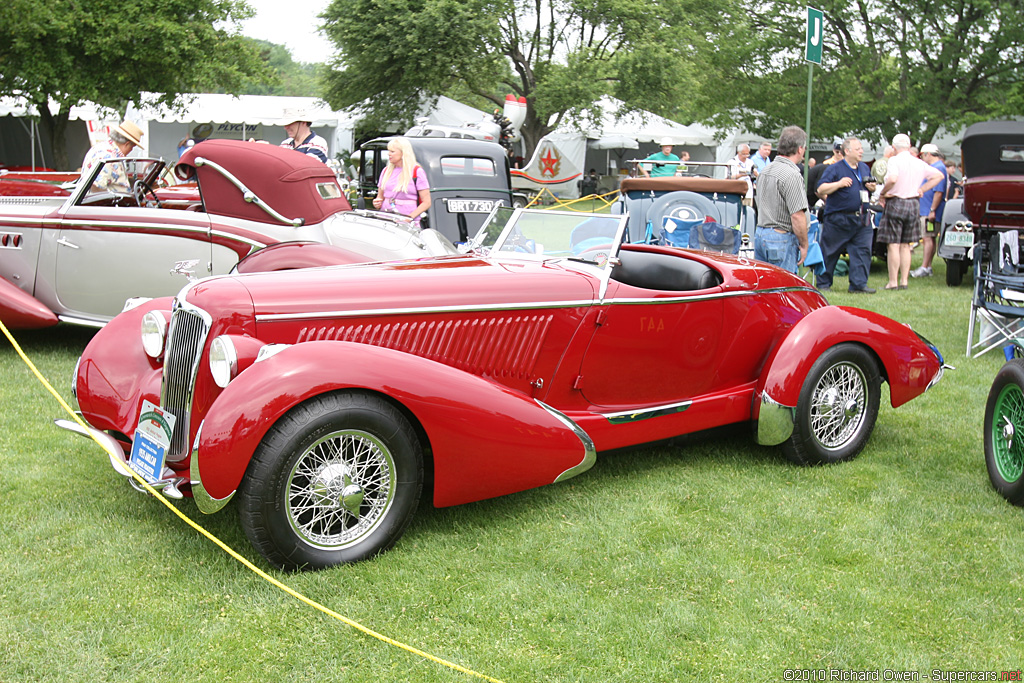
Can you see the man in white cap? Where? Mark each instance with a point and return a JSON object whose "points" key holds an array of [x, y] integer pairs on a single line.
{"points": [[932, 204], [300, 137], [906, 180], [120, 142], [661, 170], [741, 167]]}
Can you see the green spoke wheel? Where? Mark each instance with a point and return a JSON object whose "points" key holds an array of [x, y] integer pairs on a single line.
{"points": [[1004, 432]]}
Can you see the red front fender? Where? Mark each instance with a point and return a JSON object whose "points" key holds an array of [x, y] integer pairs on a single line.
{"points": [[908, 364], [289, 255], [21, 311], [486, 439]]}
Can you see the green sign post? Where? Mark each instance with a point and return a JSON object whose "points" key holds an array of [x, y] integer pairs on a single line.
{"points": [[812, 53]]}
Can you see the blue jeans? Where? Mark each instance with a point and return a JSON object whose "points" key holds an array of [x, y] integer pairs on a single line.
{"points": [[852, 234], [780, 249]]}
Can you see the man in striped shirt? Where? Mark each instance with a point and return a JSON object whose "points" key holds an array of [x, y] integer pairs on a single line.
{"points": [[781, 236], [301, 138]]}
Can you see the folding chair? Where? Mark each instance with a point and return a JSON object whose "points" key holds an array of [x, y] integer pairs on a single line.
{"points": [[711, 236], [814, 262], [997, 306]]}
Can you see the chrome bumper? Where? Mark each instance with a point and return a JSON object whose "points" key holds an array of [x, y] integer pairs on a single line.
{"points": [[168, 484], [774, 421]]}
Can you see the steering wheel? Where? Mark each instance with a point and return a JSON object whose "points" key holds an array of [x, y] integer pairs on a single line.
{"points": [[140, 189]]}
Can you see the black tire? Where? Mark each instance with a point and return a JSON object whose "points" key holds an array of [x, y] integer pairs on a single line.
{"points": [[335, 480], [955, 269], [1004, 432], [837, 408]]}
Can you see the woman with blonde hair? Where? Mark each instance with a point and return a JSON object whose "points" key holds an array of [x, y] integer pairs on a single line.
{"points": [[403, 186]]}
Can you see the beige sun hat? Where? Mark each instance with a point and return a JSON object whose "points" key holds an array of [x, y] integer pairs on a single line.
{"points": [[666, 142], [293, 114], [130, 131]]}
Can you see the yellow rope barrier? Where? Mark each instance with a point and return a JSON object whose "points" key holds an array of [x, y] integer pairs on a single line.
{"points": [[223, 546], [560, 204]]}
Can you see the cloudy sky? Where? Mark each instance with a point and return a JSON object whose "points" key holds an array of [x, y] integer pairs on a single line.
{"points": [[291, 23]]}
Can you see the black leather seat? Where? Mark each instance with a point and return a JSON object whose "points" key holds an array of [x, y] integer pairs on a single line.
{"points": [[666, 272]]}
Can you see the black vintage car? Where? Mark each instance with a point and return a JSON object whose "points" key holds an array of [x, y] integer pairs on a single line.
{"points": [[993, 157], [468, 178]]}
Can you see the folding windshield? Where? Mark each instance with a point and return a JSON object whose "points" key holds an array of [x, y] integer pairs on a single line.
{"points": [[587, 237], [120, 176]]}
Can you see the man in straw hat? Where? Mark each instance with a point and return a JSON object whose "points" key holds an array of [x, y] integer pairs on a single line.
{"points": [[300, 137], [659, 170], [120, 142]]}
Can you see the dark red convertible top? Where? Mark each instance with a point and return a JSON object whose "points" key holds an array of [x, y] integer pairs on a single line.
{"points": [[285, 179]]}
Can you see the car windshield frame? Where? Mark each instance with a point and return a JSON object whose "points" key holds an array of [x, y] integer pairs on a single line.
{"points": [[129, 169], [591, 238]]}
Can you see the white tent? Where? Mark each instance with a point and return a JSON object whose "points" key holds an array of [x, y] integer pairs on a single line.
{"points": [[563, 155], [449, 112], [205, 116]]}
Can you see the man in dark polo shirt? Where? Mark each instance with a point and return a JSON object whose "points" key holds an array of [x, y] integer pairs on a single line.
{"points": [[846, 187]]}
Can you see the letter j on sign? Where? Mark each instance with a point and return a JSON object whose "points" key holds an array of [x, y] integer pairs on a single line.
{"points": [[815, 21]]}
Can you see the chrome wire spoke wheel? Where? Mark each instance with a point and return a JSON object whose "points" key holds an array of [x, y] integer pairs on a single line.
{"points": [[1008, 451], [837, 409], [340, 489]]}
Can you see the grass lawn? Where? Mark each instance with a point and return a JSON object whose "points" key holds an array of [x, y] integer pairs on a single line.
{"points": [[707, 559]]}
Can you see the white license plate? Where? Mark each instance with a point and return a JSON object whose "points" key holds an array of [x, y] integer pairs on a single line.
{"points": [[470, 205], [957, 238]]}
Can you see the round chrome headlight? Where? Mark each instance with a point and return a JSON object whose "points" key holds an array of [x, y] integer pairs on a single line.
{"points": [[154, 332], [223, 361]]}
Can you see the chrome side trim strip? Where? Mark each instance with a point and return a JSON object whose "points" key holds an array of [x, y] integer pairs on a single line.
{"points": [[774, 421], [169, 227], [81, 321], [627, 416], [522, 306], [467, 308], [76, 223], [589, 450], [237, 238], [206, 503]]}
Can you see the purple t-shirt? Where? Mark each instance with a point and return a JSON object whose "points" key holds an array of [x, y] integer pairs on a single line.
{"points": [[402, 202]]}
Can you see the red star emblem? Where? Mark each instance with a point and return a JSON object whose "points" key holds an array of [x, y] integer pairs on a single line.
{"points": [[549, 163]]}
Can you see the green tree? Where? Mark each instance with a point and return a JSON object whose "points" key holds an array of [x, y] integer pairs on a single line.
{"points": [[562, 55], [908, 66], [289, 78], [108, 52]]}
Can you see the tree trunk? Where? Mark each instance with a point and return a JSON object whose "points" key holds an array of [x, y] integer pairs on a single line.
{"points": [[56, 126]]}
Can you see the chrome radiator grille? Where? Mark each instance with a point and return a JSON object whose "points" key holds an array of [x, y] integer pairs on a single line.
{"points": [[186, 337]]}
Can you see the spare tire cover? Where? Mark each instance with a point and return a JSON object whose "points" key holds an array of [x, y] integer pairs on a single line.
{"points": [[688, 206]]}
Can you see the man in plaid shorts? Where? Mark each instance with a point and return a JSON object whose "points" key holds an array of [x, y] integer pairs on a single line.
{"points": [[906, 179]]}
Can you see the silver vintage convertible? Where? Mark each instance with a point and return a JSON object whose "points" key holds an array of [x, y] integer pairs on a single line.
{"points": [[119, 233]]}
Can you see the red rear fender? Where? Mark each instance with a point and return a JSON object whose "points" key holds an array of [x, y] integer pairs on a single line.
{"points": [[486, 439], [907, 363]]}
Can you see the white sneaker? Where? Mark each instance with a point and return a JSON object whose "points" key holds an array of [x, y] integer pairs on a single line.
{"points": [[921, 272]]}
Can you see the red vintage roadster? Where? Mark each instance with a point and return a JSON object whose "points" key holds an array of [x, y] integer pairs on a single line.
{"points": [[324, 400]]}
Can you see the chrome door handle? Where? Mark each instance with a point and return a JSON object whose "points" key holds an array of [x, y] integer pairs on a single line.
{"points": [[64, 243]]}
